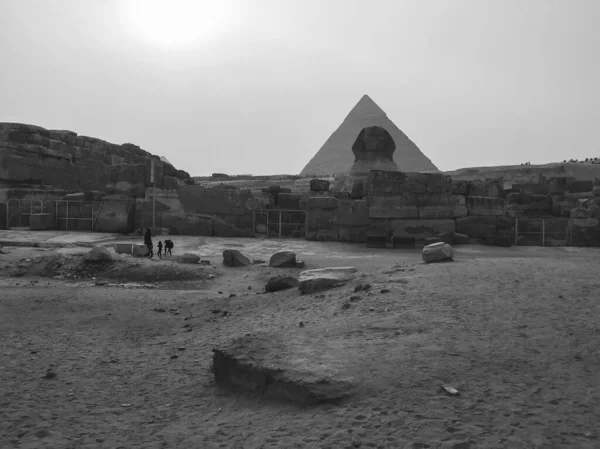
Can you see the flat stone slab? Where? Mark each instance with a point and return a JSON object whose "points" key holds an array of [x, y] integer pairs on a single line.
{"points": [[312, 281], [282, 367]]}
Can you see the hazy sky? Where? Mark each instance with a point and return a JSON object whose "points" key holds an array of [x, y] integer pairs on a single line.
{"points": [[257, 86]]}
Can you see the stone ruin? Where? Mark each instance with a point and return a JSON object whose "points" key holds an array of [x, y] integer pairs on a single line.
{"points": [[373, 199]]}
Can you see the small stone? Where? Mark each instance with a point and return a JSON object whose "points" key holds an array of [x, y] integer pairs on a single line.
{"points": [[181, 348], [249, 287], [174, 356], [371, 309], [385, 290], [159, 309], [220, 293], [49, 375], [346, 305], [301, 324], [232, 295], [355, 298]]}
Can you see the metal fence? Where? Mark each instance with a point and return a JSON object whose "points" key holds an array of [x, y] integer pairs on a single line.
{"points": [[67, 215], [279, 223], [543, 231]]}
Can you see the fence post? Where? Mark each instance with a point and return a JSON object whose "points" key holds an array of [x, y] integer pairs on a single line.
{"points": [[543, 232], [516, 231], [280, 224]]}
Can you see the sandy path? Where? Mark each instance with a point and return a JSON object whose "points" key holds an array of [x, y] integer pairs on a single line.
{"points": [[518, 337]]}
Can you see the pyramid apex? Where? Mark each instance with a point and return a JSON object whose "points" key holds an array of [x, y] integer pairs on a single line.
{"points": [[367, 108]]}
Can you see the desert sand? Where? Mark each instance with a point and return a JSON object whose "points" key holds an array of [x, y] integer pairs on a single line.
{"points": [[515, 331]]}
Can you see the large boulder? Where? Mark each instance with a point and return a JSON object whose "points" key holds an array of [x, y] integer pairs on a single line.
{"points": [[437, 252], [233, 258], [98, 254], [283, 367], [312, 281], [283, 259], [187, 258], [280, 283]]}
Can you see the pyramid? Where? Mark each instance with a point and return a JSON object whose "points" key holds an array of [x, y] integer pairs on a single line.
{"points": [[336, 156]]}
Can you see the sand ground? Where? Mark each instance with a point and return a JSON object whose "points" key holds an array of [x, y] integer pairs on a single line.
{"points": [[515, 331]]}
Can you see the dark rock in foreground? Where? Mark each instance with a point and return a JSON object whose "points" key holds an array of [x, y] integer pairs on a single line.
{"points": [[233, 258], [283, 259], [280, 283], [289, 368]]}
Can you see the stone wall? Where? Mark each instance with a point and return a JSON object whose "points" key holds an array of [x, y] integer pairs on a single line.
{"points": [[422, 205]]}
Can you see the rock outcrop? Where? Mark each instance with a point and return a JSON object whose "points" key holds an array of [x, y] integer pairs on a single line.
{"points": [[31, 156]]}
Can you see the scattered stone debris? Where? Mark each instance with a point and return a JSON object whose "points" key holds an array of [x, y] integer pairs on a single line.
{"points": [[49, 374], [187, 258], [437, 252], [98, 254], [362, 287], [450, 390], [279, 283], [283, 259], [233, 258]]}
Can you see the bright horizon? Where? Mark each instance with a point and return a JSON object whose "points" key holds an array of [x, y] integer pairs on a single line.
{"points": [[257, 87]]}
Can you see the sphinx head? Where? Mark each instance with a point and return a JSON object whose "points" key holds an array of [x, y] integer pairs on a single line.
{"points": [[374, 143]]}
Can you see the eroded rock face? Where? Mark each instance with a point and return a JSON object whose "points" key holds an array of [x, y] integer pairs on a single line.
{"points": [[31, 155], [374, 150]]}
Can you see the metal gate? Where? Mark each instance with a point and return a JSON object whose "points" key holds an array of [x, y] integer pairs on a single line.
{"points": [[279, 223]]}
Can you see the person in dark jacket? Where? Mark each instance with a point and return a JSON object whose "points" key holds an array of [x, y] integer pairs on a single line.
{"points": [[159, 252], [148, 242], [168, 247]]}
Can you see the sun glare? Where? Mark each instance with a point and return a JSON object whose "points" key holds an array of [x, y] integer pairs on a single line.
{"points": [[174, 23]]}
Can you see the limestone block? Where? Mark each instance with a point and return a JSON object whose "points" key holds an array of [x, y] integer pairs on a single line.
{"points": [[579, 212], [393, 207], [421, 229], [290, 201], [352, 213], [352, 234], [529, 203], [480, 205], [488, 188], [322, 202], [319, 185], [439, 184], [460, 188], [318, 219], [442, 206], [477, 226]]}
